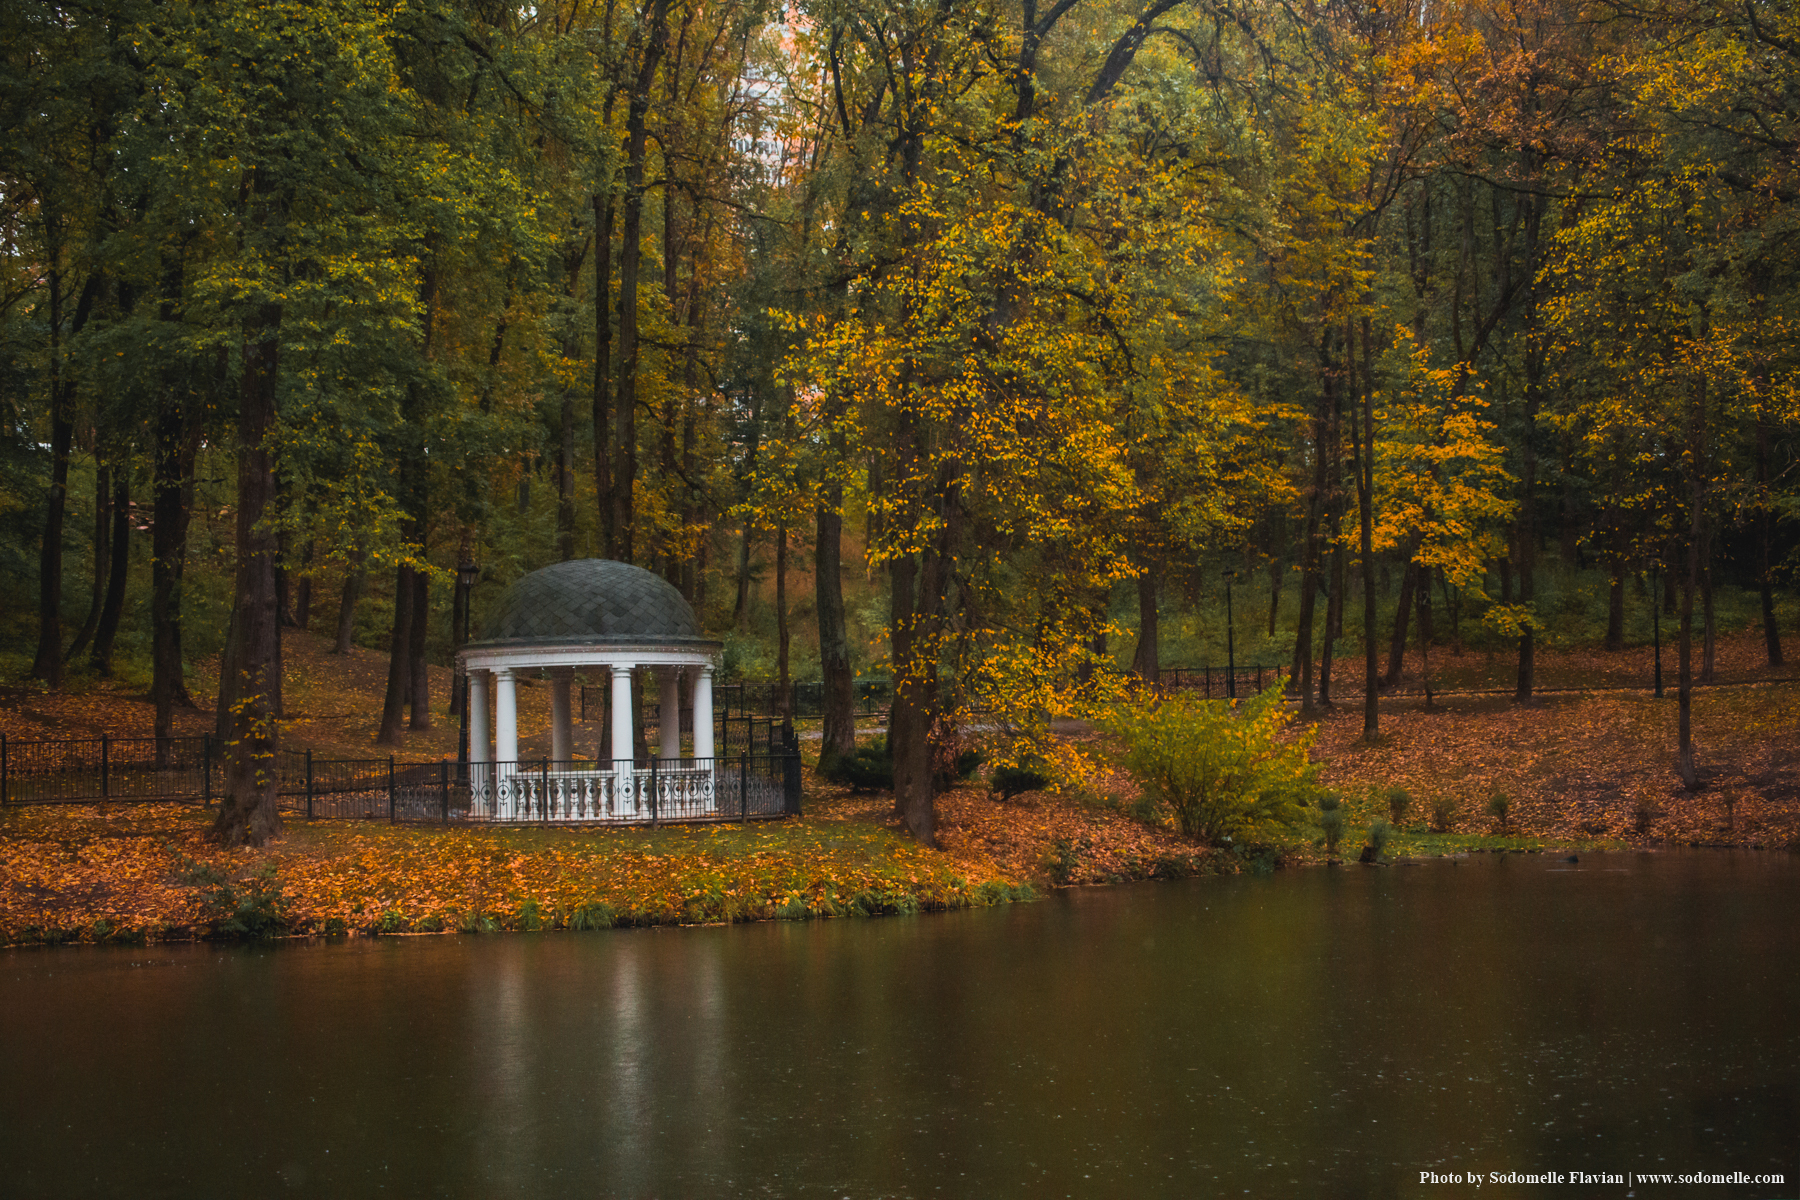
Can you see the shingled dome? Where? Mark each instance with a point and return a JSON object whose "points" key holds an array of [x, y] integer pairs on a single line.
{"points": [[592, 600]]}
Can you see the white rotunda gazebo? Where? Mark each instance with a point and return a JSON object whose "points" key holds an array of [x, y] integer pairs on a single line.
{"points": [[592, 615]]}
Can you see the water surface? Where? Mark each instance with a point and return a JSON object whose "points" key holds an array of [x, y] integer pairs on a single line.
{"points": [[1317, 1033]]}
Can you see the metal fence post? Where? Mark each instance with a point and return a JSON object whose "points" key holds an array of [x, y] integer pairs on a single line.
{"points": [[544, 789], [206, 771], [654, 820], [105, 766], [444, 786], [309, 786], [744, 788], [390, 789]]}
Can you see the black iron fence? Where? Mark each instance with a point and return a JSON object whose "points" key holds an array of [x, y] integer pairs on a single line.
{"points": [[105, 768], [757, 774], [1218, 682]]}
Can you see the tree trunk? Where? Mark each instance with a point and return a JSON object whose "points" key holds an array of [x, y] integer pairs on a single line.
{"points": [[177, 443], [1615, 592], [740, 611], [418, 692], [1765, 520], [1144, 663], [631, 253], [1277, 572], [1708, 652], [1363, 448], [1334, 616], [784, 686], [834, 641], [48, 664], [602, 404], [248, 813], [1526, 541], [1690, 583], [120, 557], [399, 679], [1409, 583], [1302, 672], [1424, 594], [102, 559], [355, 577], [303, 589], [910, 715]]}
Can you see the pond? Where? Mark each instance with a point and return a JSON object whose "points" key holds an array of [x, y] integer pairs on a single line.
{"points": [[1315, 1033]]}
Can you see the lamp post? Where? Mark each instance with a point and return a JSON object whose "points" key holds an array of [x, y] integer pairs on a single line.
{"points": [[1656, 621], [1230, 642], [466, 576]]}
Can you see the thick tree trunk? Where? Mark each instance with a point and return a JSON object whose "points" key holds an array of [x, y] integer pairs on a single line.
{"points": [[355, 577], [177, 442], [834, 639], [783, 683], [248, 813], [120, 556], [49, 662], [631, 252], [399, 679], [418, 692], [1144, 663], [911, 714], [602, 403]]}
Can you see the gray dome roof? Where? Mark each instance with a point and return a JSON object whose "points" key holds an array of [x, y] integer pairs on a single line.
{"points": [[593, 600]]}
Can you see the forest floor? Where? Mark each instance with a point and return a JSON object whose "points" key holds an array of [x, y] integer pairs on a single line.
{"points": [[1578, 769]]}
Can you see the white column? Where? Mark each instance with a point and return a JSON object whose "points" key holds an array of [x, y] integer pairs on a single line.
{"points": [[481, 776], [506, 716], [703, 714], [479, 749], [669, 723], [562, 739], [621, 715]]}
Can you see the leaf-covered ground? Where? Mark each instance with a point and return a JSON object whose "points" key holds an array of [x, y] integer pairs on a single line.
{"points": [[1593, 765], [1575, 768]]}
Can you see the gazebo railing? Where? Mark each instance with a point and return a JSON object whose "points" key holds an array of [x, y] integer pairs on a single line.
{"points": [[679, 789]]}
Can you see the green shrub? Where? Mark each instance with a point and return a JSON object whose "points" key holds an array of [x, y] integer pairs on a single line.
{"points": [[1498, 806], [1399, 802], [869, 769], [1379, 834], [1222, 775], [255, 911], [1007, 782], [596, 914], [1443, 813], [1331, 821]]}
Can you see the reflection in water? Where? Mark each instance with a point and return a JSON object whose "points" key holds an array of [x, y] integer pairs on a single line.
{"points": [[1320, 1033]]}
